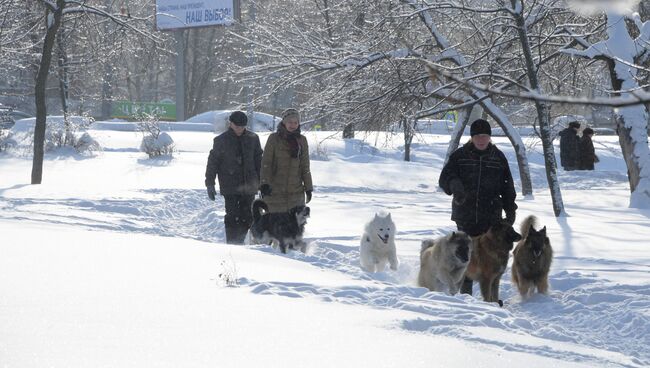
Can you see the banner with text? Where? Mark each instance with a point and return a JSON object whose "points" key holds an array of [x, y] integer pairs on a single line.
{"points": [[179, 14]]}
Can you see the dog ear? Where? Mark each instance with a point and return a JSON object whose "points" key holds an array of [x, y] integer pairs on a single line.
{"points": [[543, 231]]}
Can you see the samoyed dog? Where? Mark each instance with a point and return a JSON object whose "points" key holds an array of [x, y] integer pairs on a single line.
{"points": [[378, 244]]}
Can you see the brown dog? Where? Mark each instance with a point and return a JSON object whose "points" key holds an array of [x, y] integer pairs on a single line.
{"points": [[490, 258], [532, 259]]}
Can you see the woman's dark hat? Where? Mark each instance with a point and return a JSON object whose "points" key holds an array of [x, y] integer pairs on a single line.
{"points": [[290, 112]]}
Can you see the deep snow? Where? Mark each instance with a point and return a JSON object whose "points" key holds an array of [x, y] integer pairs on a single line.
{"points": [[118, 260]]}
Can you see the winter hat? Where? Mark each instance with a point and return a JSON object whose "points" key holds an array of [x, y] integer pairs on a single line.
{"points": [[290, 112], [238, 118], [574, 124], [480, 126], [588, 131]]}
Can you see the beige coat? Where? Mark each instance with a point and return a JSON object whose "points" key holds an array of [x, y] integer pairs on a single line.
{"points": [[288, 177]]}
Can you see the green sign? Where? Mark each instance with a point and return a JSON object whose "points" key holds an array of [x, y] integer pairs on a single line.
{"points": [[135, 110]]}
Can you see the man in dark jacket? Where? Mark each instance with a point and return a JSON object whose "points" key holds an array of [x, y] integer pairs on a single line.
{"points": [[478, 176], [235, 158], [570, 147]]}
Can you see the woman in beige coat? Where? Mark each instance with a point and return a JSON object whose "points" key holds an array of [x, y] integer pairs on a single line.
{"points": [[285, 177]]}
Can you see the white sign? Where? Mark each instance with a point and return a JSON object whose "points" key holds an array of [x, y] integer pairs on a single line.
{"points": [[179, 14]]}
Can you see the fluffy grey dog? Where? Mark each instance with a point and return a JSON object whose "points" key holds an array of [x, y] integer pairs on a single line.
{"points": [[283, 229], [443, 262]]}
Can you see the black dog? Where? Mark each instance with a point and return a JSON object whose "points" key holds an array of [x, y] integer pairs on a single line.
{"points": [[284, 229]]}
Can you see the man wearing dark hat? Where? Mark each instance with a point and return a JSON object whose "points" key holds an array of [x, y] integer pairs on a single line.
{"points": [[570, 147], [478, 176], [235, 158]]}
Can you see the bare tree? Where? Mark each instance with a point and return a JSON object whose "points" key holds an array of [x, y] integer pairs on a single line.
{"points": [[543, 109], [54, 15], [622, 53]]}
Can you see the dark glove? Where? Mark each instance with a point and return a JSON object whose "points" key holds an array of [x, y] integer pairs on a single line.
{"points": [[212, 192], [457, 189], [510, 217], [460, 197], [308, 194], [265, 189]]}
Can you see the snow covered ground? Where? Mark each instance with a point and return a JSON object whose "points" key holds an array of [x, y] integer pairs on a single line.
{"points": [[118, 260]]}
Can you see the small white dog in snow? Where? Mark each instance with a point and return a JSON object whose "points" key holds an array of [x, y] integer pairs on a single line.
{"points": [[378, 244]]}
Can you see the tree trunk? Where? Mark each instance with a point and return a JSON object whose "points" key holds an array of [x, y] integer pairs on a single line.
{"points": [[633, 156], [543, 112], [62, 62], [53, 20], [409, 131], [107, 91], [457, 133]]}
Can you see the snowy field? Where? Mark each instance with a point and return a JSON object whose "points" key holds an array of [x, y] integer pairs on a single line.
{"points": [[118, 260]]}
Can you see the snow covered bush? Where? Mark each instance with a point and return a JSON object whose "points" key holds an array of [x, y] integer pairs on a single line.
{"points": [[65, 133], [319, 153], [6, 140], [162, 145], [87, 144], [60, 132], [154, 142]]}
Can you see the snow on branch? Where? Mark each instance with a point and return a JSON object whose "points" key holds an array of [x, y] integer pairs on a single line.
{"points": [[50, 4], [122, 20], [637, 97]]}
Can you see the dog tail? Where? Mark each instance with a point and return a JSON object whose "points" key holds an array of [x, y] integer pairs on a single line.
{"points": [[258, 205], [426, 244], [525, 226]]}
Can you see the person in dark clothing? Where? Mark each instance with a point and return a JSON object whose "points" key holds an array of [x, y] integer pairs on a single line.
{"points": [[570, 147], [236, 159], [587, 152], [479, 178]]}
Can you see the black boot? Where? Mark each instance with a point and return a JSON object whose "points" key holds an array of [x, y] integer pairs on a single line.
{"points": [[244, 222], [231, 229], [242, 230]]}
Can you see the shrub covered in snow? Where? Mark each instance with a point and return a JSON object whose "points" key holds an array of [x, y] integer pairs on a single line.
{"points": [[6, 140], [162, 145], [59, 132], [87, 144], [154, 142], [65, 133]]}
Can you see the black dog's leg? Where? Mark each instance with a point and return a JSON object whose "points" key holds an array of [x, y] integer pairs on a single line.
{"points": [[466, 287], [283, 247]]}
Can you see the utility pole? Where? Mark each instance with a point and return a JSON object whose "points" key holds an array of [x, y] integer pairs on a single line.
{"points": [[180, 75]]}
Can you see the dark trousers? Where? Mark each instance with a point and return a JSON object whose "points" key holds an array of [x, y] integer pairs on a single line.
{"points": [[472, 230], [238, 218]]}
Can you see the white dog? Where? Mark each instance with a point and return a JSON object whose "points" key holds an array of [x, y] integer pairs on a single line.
{"points": [[378, 244]]}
